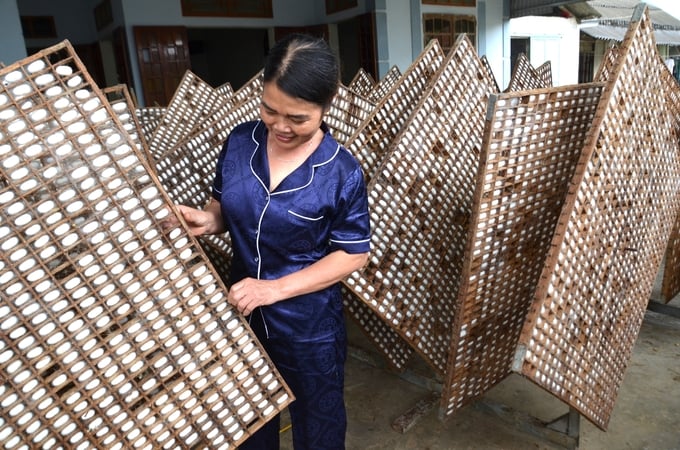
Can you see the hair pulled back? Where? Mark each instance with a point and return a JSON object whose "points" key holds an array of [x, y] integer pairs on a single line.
{"points": [[304, 67]]}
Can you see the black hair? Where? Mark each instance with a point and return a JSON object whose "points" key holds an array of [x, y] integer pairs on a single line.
{"points": [[304, 67]]}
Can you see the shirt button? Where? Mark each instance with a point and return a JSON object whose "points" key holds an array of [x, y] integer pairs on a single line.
{"points": [[256, 259]]}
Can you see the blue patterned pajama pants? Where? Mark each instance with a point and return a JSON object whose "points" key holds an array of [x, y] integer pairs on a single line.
{"points": [[314, 371]]}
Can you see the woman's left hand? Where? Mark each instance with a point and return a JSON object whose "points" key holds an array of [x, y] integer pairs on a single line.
{"points": [[249, 293]]}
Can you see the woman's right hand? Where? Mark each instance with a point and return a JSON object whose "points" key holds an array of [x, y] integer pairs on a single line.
{"points": [[199, 222]]}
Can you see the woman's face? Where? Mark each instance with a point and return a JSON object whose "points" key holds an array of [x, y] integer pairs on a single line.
{"points": [[291, 121]]}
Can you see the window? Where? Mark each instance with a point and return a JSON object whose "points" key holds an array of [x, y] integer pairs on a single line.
{"points": [[38, 27], [227, 8], [451, 2], [447, 27], [333, 6]]}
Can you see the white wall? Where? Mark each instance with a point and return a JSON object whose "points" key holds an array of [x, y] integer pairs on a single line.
{"points": [[553, 39], [493, 40], [12, 48], [399, 34]]}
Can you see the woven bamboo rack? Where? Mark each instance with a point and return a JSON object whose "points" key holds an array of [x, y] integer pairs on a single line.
{"points": [[385, 85], [608, 65], [544, 72], [373, 140], [251, 88], [369, 144], [532, 142], [226, 90], [489, 72], [347, 113], [420, 200], [114, 330], [121, 101], [191, 106], [362, 83], [525, 77], [606, 252], [670, 283], [149, 119]]}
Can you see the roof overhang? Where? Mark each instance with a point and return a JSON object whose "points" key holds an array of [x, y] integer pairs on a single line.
{"points": [[605, 19], [615, 33], [522, 8]]}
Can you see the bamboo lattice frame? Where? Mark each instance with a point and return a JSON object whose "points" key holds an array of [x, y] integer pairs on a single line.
{"points": [[192, 105], [525, 77], [121, 101], [670, 281], [115, 333], [386, 340], [251, 88], [346, 113], [387, 83], [149, 118], [362, 83], [489, 72], [374, 138], [608, 65], [226, 90], [532, 142], [607, 249], [187, 170], [420, 201], [369, 145], [544, 72]]}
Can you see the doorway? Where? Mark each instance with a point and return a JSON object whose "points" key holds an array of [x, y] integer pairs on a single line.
{"points": [[227, 55]]}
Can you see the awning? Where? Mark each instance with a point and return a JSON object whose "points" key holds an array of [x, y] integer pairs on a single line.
{"points": [[609, 32]]}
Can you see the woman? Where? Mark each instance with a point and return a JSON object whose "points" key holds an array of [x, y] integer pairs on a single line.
{"points": [[294, 202]]}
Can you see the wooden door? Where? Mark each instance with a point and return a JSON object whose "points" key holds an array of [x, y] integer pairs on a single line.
{"points": [[163, 55]]}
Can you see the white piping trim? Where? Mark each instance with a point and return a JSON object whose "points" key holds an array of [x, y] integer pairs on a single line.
{"points": [[351, 242], [259, 222], [313, 219]]}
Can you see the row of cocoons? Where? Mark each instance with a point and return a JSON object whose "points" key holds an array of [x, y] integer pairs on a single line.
{"points": [[59, 132], [30, 121]]}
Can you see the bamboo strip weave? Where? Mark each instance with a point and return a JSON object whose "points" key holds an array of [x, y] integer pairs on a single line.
{"points": [[524, 77], [192, 104], [532, 142], [420, 202], [115, 331], [593, 291], [386, 84], [362, 84]]}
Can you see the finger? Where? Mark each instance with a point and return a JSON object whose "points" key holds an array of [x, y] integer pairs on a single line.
{"points": [[246, 308], [236, 287], [169, 223], [188, 218]]}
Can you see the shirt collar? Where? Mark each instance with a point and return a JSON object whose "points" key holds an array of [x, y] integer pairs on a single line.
{"points": [[303, 175]]}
